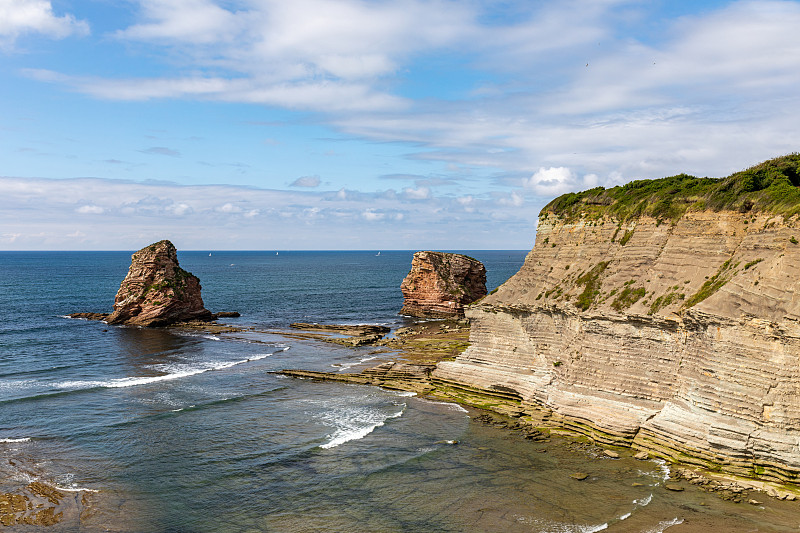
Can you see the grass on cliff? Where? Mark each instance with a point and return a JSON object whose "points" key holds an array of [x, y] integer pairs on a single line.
{"points": [[770, 187]]}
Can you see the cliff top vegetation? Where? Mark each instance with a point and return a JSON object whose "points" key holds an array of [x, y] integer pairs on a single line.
{"points": [[772, 186]]}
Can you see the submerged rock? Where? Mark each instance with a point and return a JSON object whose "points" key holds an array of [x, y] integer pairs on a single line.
{"points": [[157, 291], [440, 284]]}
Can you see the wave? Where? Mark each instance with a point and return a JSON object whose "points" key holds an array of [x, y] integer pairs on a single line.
{"points": [[346, 366], [132, 382], [9, 441], [570, 528], [662, 526], [75, 489], [638, 503], [664, 468], [78, 386], [450, 405], [356, 424]]}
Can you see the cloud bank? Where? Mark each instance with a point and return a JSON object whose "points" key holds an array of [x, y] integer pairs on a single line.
{"points": [[56, 214]]}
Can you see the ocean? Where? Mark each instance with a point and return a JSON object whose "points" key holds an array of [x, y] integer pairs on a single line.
{"points": [[155, 430]]}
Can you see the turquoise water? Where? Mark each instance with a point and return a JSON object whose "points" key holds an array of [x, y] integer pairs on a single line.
{"points": [[160, 431]]}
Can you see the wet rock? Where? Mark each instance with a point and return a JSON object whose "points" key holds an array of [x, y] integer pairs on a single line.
{"points": [[580, 476], [358, 330], [673, 487], [610, 453], [89, 316], [642, 456]]}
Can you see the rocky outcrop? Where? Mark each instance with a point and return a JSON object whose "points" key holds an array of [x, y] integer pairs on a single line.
{"points": [[441, 284], [157, 291], [358, 330], [680, 338]]}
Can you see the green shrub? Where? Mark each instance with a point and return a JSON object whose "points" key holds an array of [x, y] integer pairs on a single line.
{"points": [[628, 297], [591, 286], [770, 187]]}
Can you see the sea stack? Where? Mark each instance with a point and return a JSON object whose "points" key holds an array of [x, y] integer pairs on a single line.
{"points": [[441, 284], [157, 291]]}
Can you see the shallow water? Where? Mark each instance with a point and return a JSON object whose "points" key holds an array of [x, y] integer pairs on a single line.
{"points": [[180, 432]]}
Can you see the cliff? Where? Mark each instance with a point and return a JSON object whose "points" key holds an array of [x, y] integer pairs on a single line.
{"points": [[440, 284], [663, 315], [157, 291]]}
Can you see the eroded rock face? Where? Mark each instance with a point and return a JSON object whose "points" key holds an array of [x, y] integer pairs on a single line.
{"points": [[157, 291], [441, 284], [679, 339]]}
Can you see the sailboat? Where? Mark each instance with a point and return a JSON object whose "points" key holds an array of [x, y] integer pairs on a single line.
{"points": [[376, 255]]}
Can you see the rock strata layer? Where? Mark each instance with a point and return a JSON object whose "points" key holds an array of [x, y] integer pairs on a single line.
{"points": [[157, 291], [681, 339], [440, 284]]}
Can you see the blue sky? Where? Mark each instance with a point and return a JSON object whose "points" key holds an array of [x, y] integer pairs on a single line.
{"points": [[348, 124]]}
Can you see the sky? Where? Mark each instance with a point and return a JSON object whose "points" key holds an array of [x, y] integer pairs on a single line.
{"points": [[370, 124]]}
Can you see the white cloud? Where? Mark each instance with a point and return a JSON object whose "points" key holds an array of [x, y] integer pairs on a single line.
{"points": [[514, 199], [372, 216], [305, 54], [551, 181], [180, 209], [419, 193], [34, 211], [708, 93], [18, 17], [190, 21], [306, 181], [229, 208], [90, 210]]}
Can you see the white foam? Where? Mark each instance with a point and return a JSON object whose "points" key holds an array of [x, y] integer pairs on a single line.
{"points": [[345, 366], [405, 394], [643, 501], [662, 465], [551, 527], [76, 489], [626, 515], [23, 439], [185, 372], [662, 526], [450, 405], [356, 424]]}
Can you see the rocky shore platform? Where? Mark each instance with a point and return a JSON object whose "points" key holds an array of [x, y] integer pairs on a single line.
{"points": [[415, 351]]}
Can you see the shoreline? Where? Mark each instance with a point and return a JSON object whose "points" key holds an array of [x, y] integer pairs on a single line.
{"points": [[412, 353], [419, 347]]}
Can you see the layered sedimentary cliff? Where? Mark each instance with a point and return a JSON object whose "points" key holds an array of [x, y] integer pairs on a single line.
{"points": [[673, 329], [440, 284], [157, 291]]}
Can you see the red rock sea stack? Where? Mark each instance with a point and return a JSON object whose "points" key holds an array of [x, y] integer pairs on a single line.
{"points": [[440, 285], [157, 291]]}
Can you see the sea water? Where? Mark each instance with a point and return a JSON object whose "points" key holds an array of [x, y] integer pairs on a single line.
{"points": [[156, 430]]}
